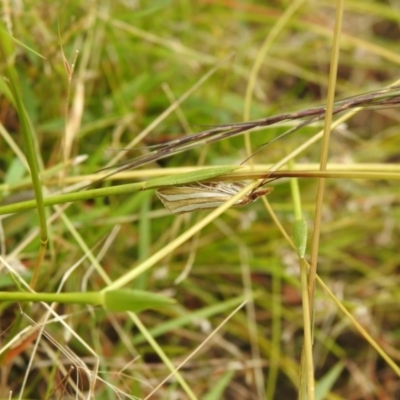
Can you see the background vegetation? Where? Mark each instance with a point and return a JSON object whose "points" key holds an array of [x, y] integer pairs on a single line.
{"points": [[135, 60]]}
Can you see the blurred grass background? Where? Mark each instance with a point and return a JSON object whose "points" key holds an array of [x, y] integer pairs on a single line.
{"points": [[136, 58]]}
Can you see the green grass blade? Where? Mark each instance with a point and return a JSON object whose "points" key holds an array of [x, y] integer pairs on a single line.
{"points": [[7, 53]]}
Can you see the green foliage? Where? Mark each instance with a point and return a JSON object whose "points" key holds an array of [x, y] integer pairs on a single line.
{"points": [[236, 282], [133, 300]]}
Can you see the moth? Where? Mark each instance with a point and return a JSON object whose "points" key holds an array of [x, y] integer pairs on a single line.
{"points": [[203, 196]]}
